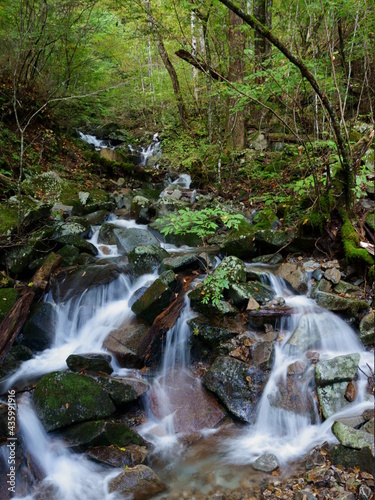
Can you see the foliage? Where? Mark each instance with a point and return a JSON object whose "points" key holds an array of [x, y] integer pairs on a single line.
{"points": [[203, 222], [214, 286]]}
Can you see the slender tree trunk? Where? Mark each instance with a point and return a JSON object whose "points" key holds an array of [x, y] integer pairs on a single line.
{"points": [[194, 44], [262, 47], [340, 141], [167, 63], [235, 119]]}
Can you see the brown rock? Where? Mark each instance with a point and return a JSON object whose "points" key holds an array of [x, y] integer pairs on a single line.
{"points": [[351, 391], [118, 457], [140, 483], [297, 368]]}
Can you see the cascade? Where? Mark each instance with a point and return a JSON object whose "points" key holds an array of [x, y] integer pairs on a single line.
{"points": [[84, 321]]}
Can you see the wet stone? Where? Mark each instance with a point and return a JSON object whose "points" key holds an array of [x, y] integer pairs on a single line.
{"points": [[115, 457], [91, 362], [266, 463], [333, 275], [141, 482], [339, 369]]}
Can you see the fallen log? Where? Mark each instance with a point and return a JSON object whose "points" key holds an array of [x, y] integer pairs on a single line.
{"points": [[149, 350], [13, 322]]}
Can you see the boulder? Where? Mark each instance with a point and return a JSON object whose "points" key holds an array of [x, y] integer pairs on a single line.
{"points": [[238, 242], [100, 433], [139, 483], [91, 363], [127, 239], [345, 305], [237, 385], [339, 369], [348, 457], [78, 242], [18, 259], [211, 331], [241, 293], [16, 355], [97, 218], [70, 229], [352, 438], [153, 301], [294, 275], [332, 398], [62, 399], [194, 409], [333, 275], [105, 235], [123, 343], [144, 259], [70, 284], [234, 269], [263, 355], [38, 331], [366, 329], [69, 254], [123, 390], [180, 262], [294, 394], [271, 240], [115, 457], [222, 308]]}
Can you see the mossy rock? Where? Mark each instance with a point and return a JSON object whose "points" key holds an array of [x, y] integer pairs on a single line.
{"points": [[38, 331], [338, 369], [350, 307], [265, 219], [211, 333], [16, 355], [106, 235], [241, 293], [180, 262], [101, 433], [62, 399], [153, 301], [367, 329], [91, 362], [270, 239], [348, 457], [70, 255], [18, 259], [48, 185], [370, 219], [63, 229], [238, 242], [350, 240], [222, 308], [235, 269], [8, 297], [78, 242], [145, 258], [8, 219]]}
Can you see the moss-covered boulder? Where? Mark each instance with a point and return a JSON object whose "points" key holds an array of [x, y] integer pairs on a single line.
{"points": [[62, 399], [18, 259], [241, 293], [180, 262], [17, 355], [234, 268], [270, 239], [348, 457], [211, 332], [338, 369], [78, 242], [38, 331], [105, 235], [70, 229], [69, 254], [90, 362], [123, 390], [153, 301], [352, 438], [139, 483], [334, 302], [367, 329], [238, 242], [8, 219], [220, 308], [8, 297], [332, 398], [100, 433], [144, 259], [120, 458]]}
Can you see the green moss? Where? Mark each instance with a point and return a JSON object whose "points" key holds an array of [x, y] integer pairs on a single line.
{"points": [[8, 218], [265, 218], [350, 240], [8, 297]]}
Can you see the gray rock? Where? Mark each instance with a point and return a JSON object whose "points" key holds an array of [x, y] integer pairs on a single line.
{"points": [[333, 275], [78, 242], [304, 495], [123, 343], [308, 335], [237, 385], [96, 218], [69, 229], [180, 262], [270, 239], [348, 457], [369, 427], [234, 268], [367, 329], [241, 293], [293, 275], [127, 239], [211, 332], [37, 333], [332, 398], [123, 390], [90, 362], [266, 463], [139, 483], [334, 302], [145, 258], [352, 438], [69, 254], [339, 369], [105, 235], [263, 355]]}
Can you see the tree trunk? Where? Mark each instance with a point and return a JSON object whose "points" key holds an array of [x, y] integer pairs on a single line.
{"points": [[235, 126], [340, 141], [262, 47], [167, 63]]}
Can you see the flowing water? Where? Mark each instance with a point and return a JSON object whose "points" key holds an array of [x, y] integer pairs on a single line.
{"points": [[217, 458]]}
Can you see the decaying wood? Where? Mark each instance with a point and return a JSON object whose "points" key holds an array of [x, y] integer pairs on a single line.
{"points": [[150, 348], [13, 322], [42, 275]]}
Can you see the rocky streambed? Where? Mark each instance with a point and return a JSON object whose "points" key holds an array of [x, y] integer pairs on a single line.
{"points": [[129, 382]]}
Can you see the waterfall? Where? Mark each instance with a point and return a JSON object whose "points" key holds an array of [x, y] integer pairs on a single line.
{"points": [[277, 429]]}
